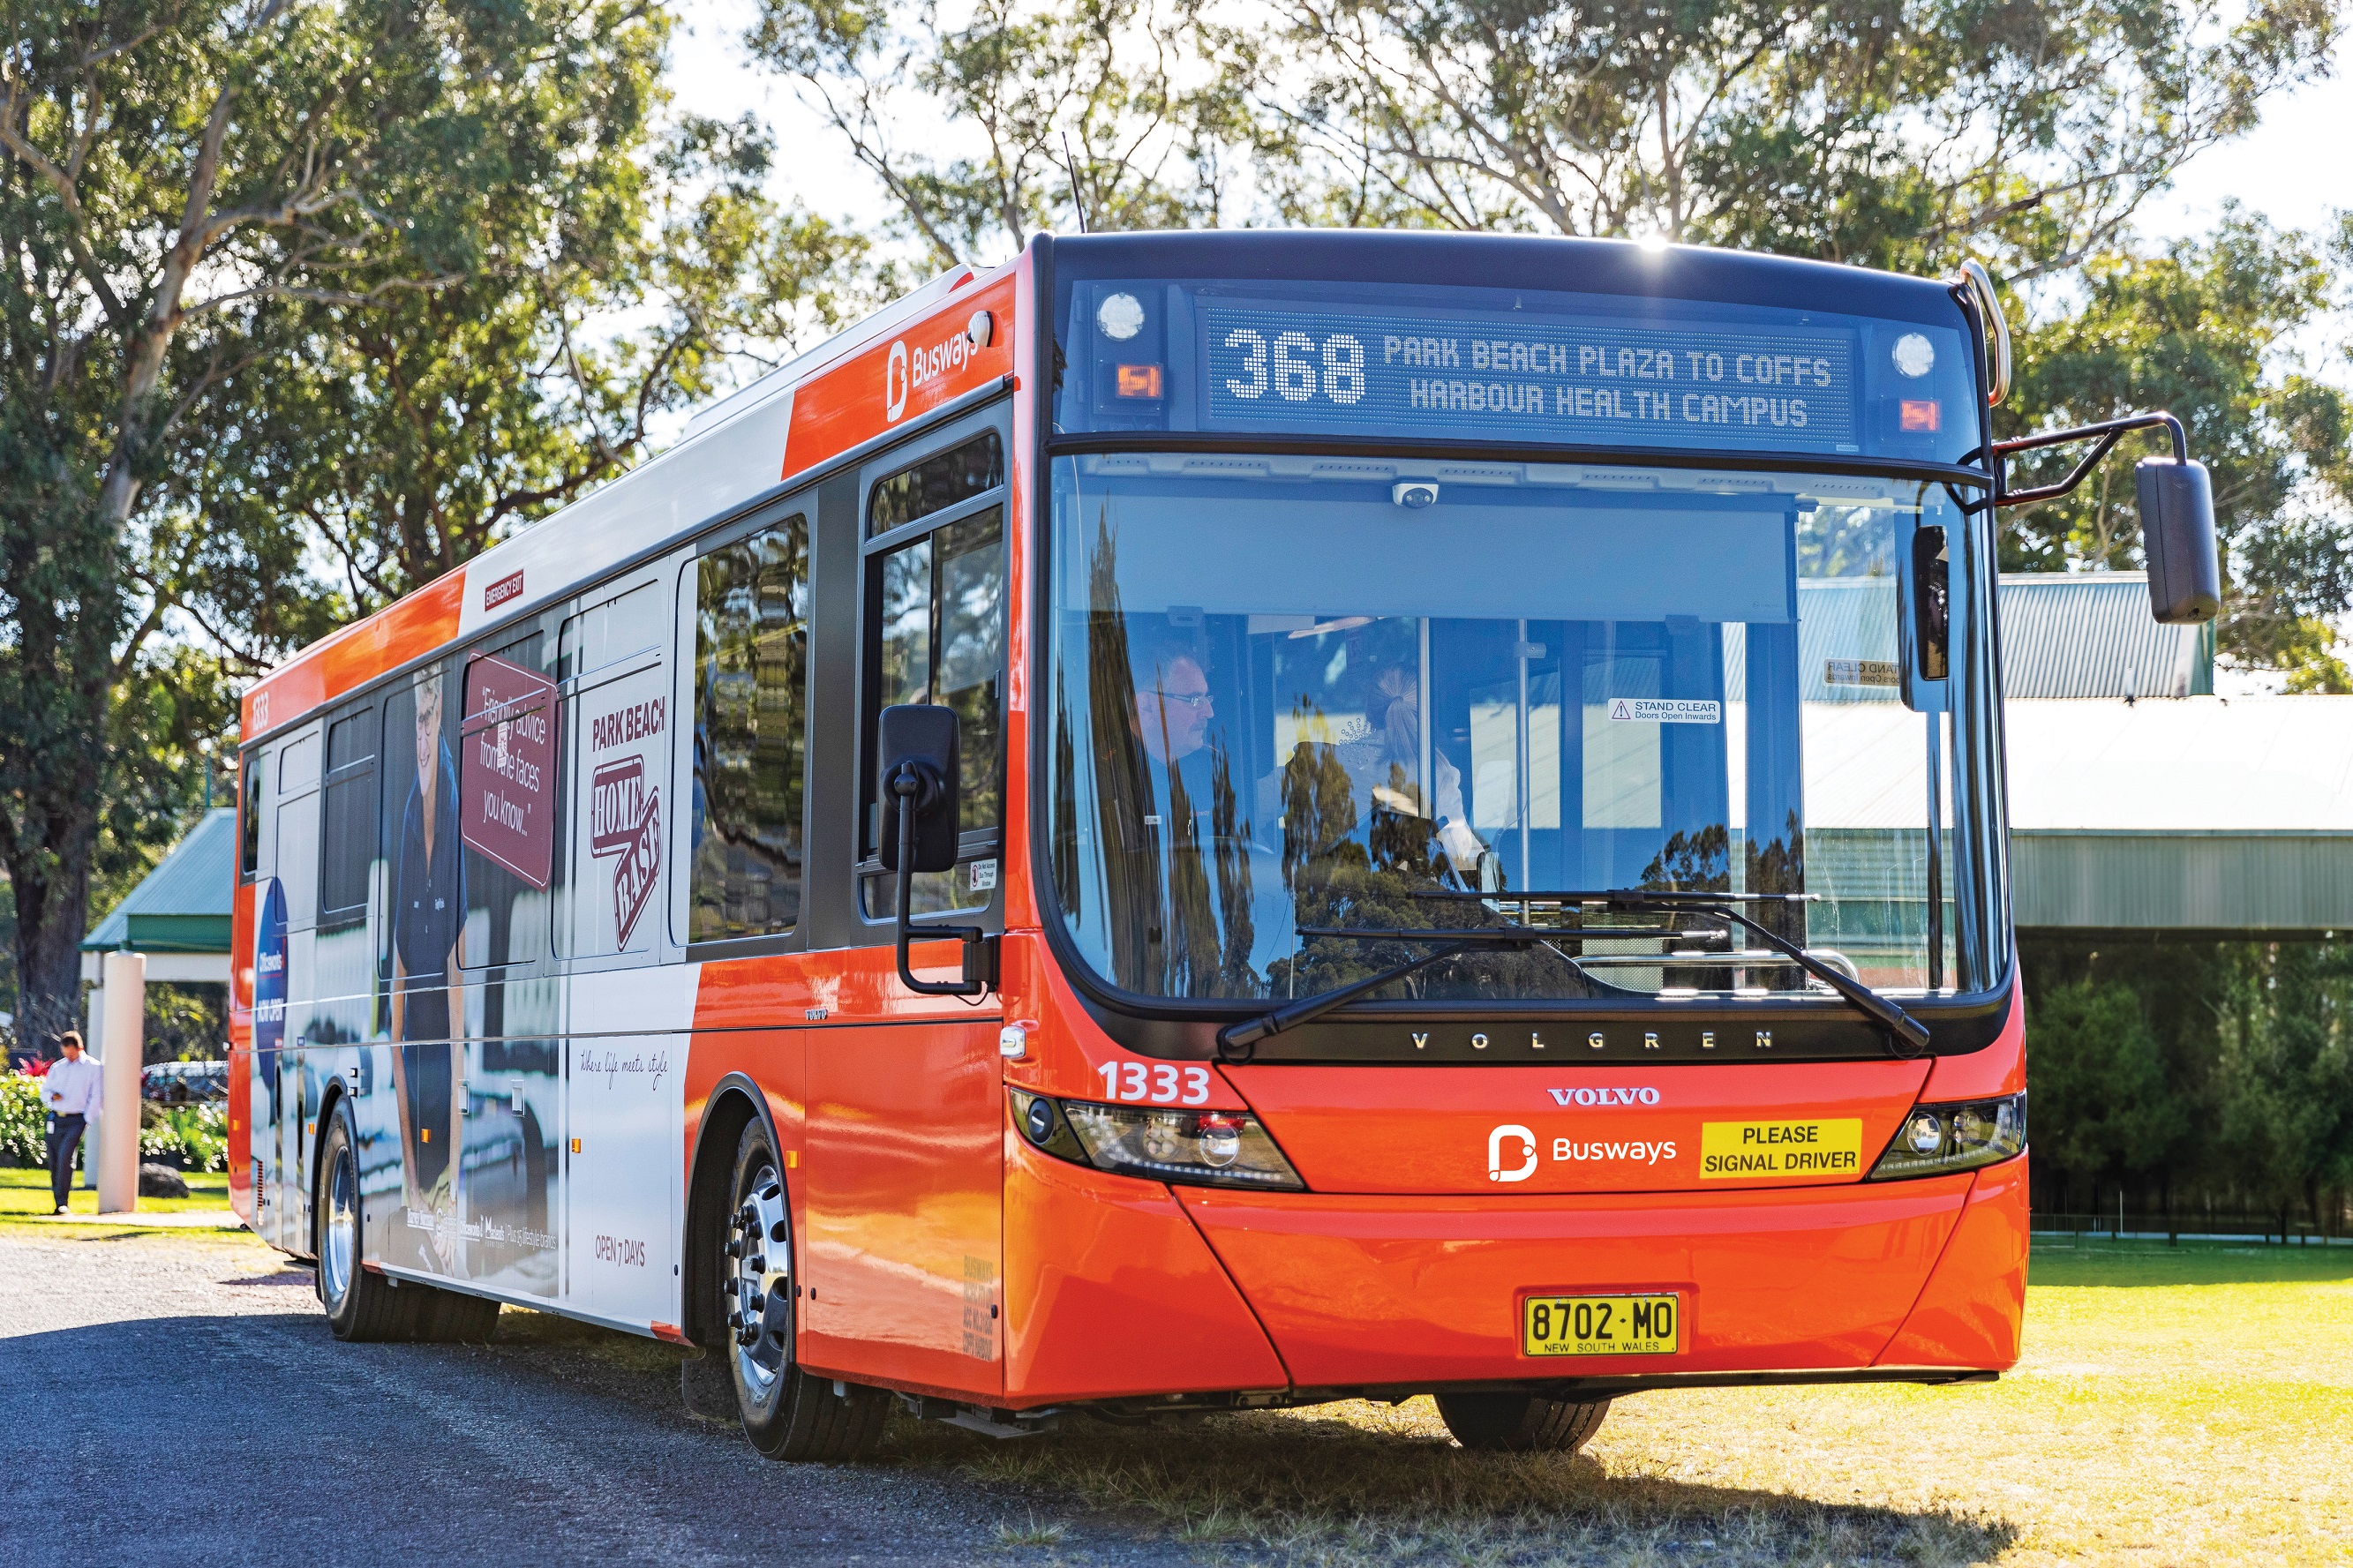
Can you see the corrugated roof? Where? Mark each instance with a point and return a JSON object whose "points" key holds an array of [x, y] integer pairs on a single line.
{"points": [[2088, 634], [2063, 634], [182, 905]]}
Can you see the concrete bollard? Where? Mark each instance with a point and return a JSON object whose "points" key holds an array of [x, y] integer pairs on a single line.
{"points": [[125, 1024]]}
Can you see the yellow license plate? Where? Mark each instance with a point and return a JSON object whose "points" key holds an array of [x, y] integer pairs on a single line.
{"points": [[1601, 1325]]}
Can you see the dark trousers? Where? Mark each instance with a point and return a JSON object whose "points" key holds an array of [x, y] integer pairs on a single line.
{"points": [[65, 1136]]}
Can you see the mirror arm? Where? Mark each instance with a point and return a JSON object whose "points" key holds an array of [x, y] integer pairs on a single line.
{"points": [[2106, 434], [907, 783]]}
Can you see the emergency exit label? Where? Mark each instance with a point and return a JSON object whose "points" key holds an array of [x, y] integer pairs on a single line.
{"points": [[1781, 1151]]}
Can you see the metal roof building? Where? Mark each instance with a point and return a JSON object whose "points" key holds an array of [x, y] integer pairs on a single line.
{"points": [[181, 908]]}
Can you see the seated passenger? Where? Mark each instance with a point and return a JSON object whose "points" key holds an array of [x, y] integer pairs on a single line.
{"points": [[1381, 761]]}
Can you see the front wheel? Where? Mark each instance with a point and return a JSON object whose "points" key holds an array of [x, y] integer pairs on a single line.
{"points": [[787, 1414], [1521, 1423], [361, 1305]]}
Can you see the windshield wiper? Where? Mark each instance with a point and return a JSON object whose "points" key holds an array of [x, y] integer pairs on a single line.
{"points": [[1236, 1042], [1899, 1023], [1903, 1029]]}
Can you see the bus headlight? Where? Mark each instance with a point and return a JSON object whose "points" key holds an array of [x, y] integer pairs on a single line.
{"points": [[1938, 1139], [1208, 1148]]}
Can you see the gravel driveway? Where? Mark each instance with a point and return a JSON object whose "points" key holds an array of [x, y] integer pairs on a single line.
{"points": [[178, 1399]]}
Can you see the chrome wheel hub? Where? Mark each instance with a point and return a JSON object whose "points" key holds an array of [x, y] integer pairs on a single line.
{"points": [[758, 1283], [338, 1241]]}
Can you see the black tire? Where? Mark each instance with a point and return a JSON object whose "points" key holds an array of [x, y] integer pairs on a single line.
{"points": [[1520, 1422], [452, 1318], [787, 1414], [362, 1306]]}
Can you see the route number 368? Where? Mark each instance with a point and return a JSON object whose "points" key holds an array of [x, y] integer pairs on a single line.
{"points": [[1289, 364], [1160, 1083]]}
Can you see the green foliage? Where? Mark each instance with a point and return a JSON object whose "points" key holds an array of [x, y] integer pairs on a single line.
{"points": [[1902, 136], [192, 1137], [24, 1124], [293, 285], [1150, 129], [2199, 329], [2103, 1102], [2284, 1111], [2216, 1071], [185, 1022]]}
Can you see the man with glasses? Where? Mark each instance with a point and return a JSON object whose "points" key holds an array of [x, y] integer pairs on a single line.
{"points": [[1173, 706]]}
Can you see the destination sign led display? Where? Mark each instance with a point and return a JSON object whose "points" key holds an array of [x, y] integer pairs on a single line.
{"points": [[1602, 381]]}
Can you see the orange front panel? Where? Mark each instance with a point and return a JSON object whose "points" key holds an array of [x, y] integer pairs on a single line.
{"points": [[903, 1193], [1110, 1291], [1969, 1314], [1998, 1069], [1392, 1289], [1622, 1129]]}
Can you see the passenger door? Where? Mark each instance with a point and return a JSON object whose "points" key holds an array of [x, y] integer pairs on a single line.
{"points": [[627, 1009]]}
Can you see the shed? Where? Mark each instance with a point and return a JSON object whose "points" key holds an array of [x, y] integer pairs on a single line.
{"points": [[179, 913]]}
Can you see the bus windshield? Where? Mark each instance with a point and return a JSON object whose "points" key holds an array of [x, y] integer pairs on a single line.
{"points": [[1298, 702]]}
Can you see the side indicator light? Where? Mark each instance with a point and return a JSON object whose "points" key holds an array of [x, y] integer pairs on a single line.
{"points": [[1919, 414], [1139, 381]]}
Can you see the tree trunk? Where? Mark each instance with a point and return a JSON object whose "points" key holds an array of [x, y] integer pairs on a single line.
{"points": [[52, 908]]}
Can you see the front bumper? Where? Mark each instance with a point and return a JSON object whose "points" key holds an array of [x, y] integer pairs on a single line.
{"points": [[1865, 1282]]}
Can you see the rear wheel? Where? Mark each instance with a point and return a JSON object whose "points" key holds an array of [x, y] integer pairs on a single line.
{"points": [[787, 1414], [361, 1305], [1521, 1423]]}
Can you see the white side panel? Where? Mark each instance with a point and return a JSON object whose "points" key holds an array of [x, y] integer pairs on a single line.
{"points": [[667, 500], [625, 1116]]}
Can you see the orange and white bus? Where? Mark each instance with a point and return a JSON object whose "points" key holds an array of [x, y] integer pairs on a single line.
{"points": [[1452, 806]]}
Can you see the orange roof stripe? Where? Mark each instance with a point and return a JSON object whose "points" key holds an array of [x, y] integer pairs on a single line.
{"points": [[408, 628]]}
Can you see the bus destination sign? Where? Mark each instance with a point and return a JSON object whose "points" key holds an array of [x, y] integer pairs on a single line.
{"points": [[1598, 380]]}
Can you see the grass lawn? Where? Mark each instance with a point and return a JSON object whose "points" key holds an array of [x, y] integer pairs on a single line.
{"points": [[24, 1194], [2179, 1407]]}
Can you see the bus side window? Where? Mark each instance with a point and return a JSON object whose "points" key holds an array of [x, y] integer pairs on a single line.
{"points": [[751, 663], [347, 840], [937, 607]]}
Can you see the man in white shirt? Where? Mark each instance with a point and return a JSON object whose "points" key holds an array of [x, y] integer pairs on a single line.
{"points": [[72, 1090]]}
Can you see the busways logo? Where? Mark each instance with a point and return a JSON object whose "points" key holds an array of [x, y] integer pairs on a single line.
{"points": [[907, 369], [1512, 1152], [1510, 1142]]}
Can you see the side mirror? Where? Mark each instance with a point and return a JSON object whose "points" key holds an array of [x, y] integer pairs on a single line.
{"points": [[917, 787], [2177, 535], [916, 784]]}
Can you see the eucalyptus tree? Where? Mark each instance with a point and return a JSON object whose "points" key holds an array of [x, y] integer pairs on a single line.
{"points": [[173, 175], [2206, 328], [1017, 116], [1891, 132]]}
